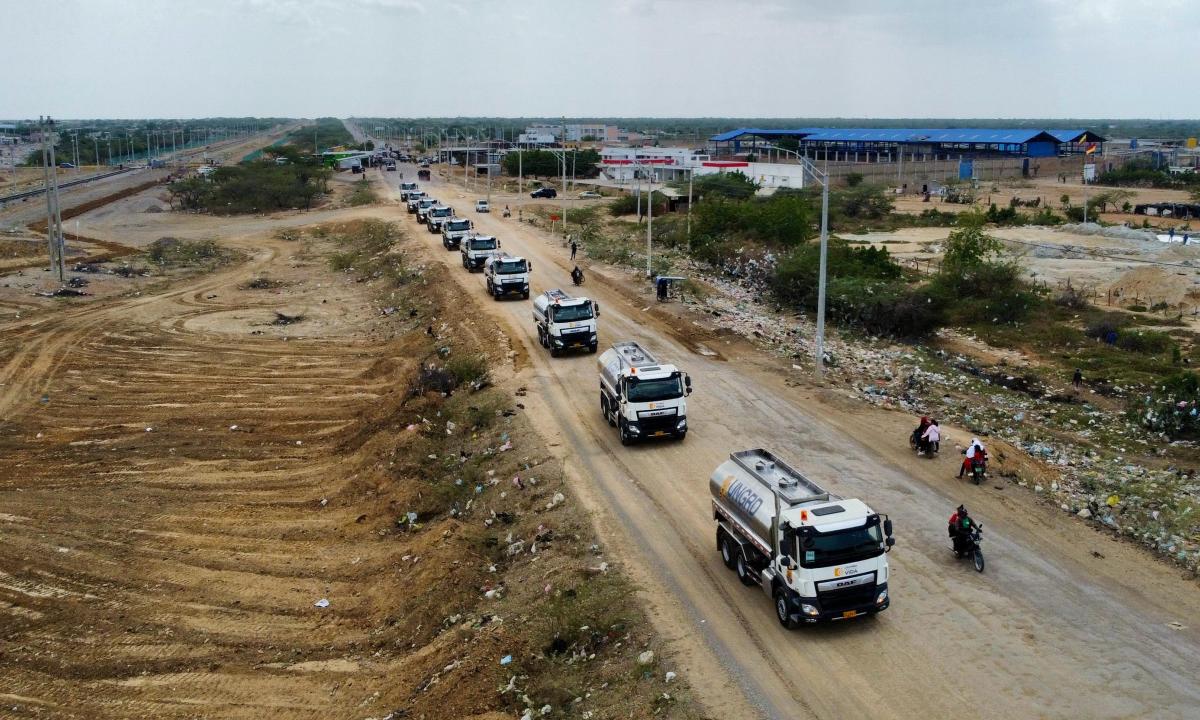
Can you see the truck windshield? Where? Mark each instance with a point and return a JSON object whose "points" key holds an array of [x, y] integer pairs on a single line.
{"points": [[440, 212], [641, 390], [481, 243], [842, 546], [459, 225], [509, 267], [572, 313]]}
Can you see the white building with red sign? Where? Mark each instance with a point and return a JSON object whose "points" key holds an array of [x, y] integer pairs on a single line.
{"points": [[668, 164]]}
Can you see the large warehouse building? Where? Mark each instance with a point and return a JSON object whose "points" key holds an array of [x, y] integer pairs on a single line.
{"points": [[890, 144]]}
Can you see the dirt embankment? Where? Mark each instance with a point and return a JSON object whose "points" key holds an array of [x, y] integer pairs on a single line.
{"points": [[208, 513]]}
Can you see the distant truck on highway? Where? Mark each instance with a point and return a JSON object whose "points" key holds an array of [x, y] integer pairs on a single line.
{"points": [[818, 556], [565, 323], [453, 232], [406, 188], [414, 197], [476, 249], [507, 275], [640, 396]]}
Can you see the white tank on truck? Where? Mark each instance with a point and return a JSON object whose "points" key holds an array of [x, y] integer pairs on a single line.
{"points": [[640, 396], [564, 322], [818, 556]]}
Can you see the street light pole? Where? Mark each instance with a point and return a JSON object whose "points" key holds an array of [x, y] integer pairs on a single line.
{"points": [[821, 280], [649, 221], [691, 176]]}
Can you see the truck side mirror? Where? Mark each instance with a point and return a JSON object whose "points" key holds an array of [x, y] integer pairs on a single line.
{"points": [[497, 243], [596, 308], [887, 527], [785, 560], [530, 266], [890, 541], [687, 383]]}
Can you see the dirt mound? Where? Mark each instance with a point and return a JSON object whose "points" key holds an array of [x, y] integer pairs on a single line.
{"points": [[1150, 285]]}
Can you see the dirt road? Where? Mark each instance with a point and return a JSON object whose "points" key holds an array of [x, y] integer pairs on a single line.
{"points": [[1065, 623]]}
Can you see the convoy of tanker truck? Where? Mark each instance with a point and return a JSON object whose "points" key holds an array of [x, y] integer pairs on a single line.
{"points": [[819, 557]]}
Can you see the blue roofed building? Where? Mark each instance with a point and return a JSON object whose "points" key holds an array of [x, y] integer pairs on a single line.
{"points": [[888, 144]]}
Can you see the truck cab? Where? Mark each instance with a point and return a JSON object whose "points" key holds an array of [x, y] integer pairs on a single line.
{"points": [[411, 200], [453, 231], [476, 249], [818, 556], [507, 275], [437, 215], [564, 322], [424, 205], [640, 396]]}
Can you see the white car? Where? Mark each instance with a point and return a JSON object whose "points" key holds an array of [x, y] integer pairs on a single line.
{"points": [[590, 194], [482, 206]]}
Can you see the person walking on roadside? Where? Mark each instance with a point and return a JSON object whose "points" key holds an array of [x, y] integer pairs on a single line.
{"points": [[574, 247], [1077, 379]]}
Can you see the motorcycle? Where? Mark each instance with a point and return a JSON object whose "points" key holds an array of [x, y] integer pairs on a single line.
{"points": [[978, 470], [921, 447], [973, 551]]}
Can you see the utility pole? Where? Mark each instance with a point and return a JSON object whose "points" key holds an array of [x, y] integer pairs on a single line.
{"points": [[520, 172], [75, 148], [649, 222], [564, 177], [53, 212], [821, 277], [691, 176]]}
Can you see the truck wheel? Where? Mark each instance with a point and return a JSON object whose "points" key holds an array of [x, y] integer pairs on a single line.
{"points": [[626, 438], [724, 545], [592, 349], [781, 610], [608, 415], [743, 570], [554, 352], [525, 294]]}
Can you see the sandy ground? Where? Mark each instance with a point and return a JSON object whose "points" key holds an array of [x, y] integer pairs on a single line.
{"points": [[1051, 615], [1065, 623], [1133, 271]]}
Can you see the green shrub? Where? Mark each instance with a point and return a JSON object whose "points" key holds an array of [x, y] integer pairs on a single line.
{"points": [[1172, 407], [468, 369], [1147, 342]]}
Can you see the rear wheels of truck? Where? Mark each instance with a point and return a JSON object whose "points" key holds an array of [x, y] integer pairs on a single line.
{"points": [[743, 569], [725, 546], [606, 411]]}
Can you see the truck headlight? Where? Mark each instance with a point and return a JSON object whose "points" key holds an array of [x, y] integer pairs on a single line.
{"points": [[633, 429], [682, 424], [881, 598], [809, 610]]}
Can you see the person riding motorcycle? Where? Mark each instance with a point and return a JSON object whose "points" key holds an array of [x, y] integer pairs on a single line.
{"points": [[920, 431], [959, 529], [975, 453], [577, 275], [931, 438]]}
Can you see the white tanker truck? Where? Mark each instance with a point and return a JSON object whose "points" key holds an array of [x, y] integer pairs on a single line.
{"points": [[640, 396], [818, 556]]}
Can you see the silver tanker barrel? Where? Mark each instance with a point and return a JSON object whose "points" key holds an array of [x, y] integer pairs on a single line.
{"points": [[753, 486]]}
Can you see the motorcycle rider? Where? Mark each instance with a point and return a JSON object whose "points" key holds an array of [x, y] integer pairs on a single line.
{"points": [[577, 275], [975, 453], [959, 529], [920, 432], [930, 438]]}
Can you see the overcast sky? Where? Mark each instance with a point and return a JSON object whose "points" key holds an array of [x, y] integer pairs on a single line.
{"points": [[677, 58]]}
